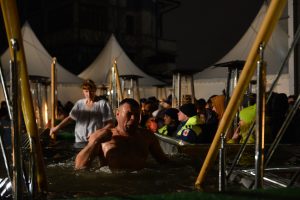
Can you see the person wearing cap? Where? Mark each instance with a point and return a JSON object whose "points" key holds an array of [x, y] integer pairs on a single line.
{"points": [[170, 122], [189, 129]]}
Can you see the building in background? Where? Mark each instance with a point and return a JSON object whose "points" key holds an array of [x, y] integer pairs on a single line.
{"points": [[75, 31]]}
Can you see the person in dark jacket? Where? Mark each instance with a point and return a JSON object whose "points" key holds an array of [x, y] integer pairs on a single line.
{"points": [[189, 129], [170, 122]]}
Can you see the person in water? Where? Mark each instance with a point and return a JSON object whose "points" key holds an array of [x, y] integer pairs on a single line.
{"points": [[124, 147], [89, 113]]}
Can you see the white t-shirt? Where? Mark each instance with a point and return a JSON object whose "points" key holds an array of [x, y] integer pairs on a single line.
{"points": [[88, 120]]}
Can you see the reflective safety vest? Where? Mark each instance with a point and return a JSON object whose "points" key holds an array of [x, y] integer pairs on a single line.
{"points": [[163, 130], [193, 123]]}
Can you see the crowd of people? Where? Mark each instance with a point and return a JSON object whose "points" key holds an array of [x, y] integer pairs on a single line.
{"points": [[198, 122], [125, 140], [191, 122]]}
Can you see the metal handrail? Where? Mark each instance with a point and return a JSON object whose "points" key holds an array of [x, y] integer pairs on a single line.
{"points": [[295, 40], [13, 30], [10, 116], [260, 118], [16, 122], [282, 130], [274, 12], [242, 148]]}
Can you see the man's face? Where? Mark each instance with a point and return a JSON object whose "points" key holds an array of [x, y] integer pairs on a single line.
{"points": [[128, 117]]}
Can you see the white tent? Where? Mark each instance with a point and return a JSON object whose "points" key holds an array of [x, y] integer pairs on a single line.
{"points": [[274, 55], [38, 59], [99, 70], [39, 64]]}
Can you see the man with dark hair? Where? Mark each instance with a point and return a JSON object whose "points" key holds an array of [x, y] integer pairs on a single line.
{"points": [[124, 147]]}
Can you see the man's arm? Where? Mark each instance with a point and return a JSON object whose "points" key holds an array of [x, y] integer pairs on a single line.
{"points": [[108, 124], [62, 124], [88, 153]]}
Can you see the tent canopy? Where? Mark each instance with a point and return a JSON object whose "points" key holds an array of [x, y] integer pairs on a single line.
{"points": [[99, 70], [38, 60], [274, 53]]}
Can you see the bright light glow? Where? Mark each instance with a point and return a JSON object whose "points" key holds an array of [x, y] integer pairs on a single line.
{"points": [[46, 113]]}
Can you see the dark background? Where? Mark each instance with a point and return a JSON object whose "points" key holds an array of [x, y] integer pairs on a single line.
{"points": [[207, 30], [204, 31]]}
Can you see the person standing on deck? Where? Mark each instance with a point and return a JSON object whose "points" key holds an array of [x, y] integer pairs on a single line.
{"points": [[89, 114]]}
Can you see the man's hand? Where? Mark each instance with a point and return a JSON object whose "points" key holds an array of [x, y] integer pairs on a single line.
{"points": [[100, 136], [87, 154], [53, 132]]}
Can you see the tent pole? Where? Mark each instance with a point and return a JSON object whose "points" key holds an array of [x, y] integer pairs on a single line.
{"points": [[274, 12], [118, 82], [53, 95]]}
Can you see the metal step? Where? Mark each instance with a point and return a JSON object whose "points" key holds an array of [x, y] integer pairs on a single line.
{"points": [[5, 188], [273, 177]]}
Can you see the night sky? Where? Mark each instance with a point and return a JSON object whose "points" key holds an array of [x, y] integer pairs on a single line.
{"points": [[204, 30]]}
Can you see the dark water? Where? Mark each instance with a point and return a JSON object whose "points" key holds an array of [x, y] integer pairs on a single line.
{"points": [[64, 182]]}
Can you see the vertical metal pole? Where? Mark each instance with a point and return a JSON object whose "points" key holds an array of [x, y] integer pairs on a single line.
{"points": [[4, 153], [222, 175], [228, 88], [260, 120], [12, 27], [118, 85], [53, 96], [132, 88], [137, 90], [193, 89], [282, 130], [4, 87], [174, 97], [235, 80], [273, 14], [17, 168], [114, 88], [179, 89]]}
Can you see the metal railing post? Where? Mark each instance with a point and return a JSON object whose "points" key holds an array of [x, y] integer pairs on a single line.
{"points": [[16, 108], [222, 173], [260, 119]]}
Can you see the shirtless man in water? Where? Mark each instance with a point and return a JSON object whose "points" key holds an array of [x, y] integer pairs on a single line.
{"points": [[124, 147]]}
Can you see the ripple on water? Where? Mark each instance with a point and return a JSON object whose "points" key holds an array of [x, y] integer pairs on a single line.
{"points": [[101, 181]]}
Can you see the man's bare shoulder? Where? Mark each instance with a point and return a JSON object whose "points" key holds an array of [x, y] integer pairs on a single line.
{"points": [[145, 133]]}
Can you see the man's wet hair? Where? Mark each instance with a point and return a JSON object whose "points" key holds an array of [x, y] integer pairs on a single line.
{"points": [[132, 102]]}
